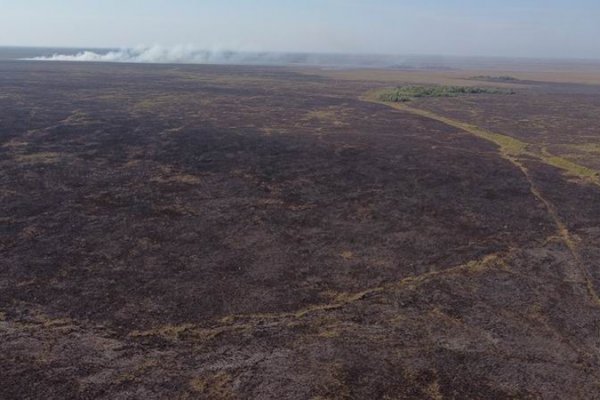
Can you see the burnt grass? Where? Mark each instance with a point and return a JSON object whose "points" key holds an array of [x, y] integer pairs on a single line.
{"points": [[210, 232]]}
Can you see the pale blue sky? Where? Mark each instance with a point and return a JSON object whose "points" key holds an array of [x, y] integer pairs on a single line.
{"points": [[534, 28]]}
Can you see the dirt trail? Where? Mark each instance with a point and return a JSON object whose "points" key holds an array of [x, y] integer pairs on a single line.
{"points": [[243, 322], [511, 149], [509, 146]]}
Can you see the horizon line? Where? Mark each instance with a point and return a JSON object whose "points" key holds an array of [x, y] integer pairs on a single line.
{"points": [[297, 52]]}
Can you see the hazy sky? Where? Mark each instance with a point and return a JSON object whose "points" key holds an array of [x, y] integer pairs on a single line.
{"points": [[535, 28]]}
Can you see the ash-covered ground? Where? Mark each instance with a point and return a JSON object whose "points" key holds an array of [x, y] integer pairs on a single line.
{"points": [[223, 232]]}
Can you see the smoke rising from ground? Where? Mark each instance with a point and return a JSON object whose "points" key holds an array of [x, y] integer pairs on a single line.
{"points": [[164, 55], [190, 54], [186, 54]]}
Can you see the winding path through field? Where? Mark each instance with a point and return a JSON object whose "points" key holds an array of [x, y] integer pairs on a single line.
{"points": [[512, 150]]}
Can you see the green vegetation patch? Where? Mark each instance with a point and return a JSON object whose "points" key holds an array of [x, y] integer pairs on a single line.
{"points": [[407, 93]]}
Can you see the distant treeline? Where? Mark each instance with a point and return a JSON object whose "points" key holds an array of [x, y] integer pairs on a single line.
{"points": [[504, 78], [407, 93]]}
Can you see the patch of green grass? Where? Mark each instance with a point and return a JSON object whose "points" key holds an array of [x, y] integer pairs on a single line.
{"points": [[569, 166], [586, 147], [406, 93]]}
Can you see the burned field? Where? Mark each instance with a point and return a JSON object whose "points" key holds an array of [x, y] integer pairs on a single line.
{"points": [[209, 232]]}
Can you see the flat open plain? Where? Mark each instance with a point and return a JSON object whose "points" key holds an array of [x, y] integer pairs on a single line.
{"points": [[223, 232]]}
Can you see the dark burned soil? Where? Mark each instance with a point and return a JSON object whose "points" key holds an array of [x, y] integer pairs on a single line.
{"points": [[210, 232]]}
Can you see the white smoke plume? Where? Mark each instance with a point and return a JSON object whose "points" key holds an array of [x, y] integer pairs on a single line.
{"points": [[189, 54], [182, 54]]}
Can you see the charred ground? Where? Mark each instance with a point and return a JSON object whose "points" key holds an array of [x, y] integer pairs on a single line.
{"points": [[243, 232]]}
